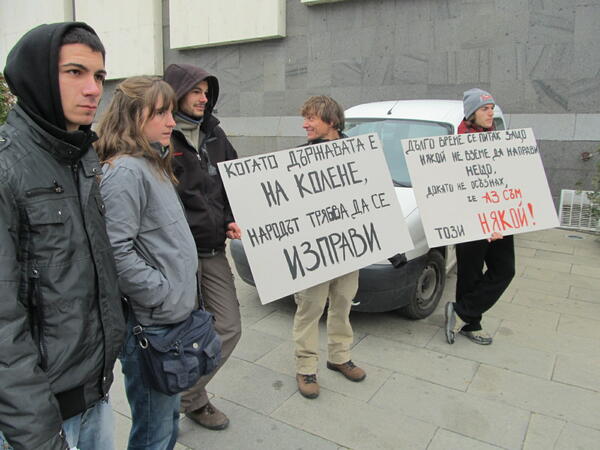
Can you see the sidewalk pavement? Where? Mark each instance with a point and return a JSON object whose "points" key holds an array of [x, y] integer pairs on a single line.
{"points": [[536, 387]]}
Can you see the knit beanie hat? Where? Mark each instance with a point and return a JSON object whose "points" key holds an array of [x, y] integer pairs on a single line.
{"points": [[475, 98]]}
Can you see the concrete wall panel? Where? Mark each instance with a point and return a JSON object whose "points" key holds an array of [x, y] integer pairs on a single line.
{"points": [[208, 23], [18, 17], [131, 32]]}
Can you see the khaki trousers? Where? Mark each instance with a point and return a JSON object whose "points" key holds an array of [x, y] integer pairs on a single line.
{"points": [[311, 304], [218, 290]]}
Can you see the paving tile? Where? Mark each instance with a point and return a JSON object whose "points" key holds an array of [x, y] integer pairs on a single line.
{"points": [[586, 295], [561, 305], [395, 327], [562, 277], [282, 360], [280, 324], [444, 440], [543, 432], [578, 371], [556, 247], [553, 399], [433, 366], [541, 286], [118, 398], [524, 251], [570, 259], [489, 421], [578, 326], [254, 345], [252, 314], [548, 235], [354, 424], [575, 437], [586, 270], [546, 340], [593, 251], [528, 316], [500, 354], [122, 427], [249, 430], [522, 263], [252, 386]]}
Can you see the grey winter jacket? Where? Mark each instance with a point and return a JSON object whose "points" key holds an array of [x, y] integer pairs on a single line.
{"points": [[61, 320], [152, 243]]}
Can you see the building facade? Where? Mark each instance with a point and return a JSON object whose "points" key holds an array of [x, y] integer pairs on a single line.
{"points": [[539, 58]]}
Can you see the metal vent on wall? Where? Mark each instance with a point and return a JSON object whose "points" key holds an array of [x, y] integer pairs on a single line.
{"points": [[575, 210]]}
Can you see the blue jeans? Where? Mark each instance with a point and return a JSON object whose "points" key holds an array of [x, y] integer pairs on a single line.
{"points": [[155, 416], [93, 429]]}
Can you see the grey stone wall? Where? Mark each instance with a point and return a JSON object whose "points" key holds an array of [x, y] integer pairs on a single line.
{"points": [[536, 57]]}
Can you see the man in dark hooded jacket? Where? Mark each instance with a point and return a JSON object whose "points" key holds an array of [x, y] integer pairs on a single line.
{"points": [[61, 320], [199, 144]]}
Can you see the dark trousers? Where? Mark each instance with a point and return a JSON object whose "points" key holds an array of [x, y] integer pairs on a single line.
{"points": [[476, 291]]}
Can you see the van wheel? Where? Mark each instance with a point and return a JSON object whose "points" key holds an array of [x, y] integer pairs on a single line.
{"points": [[428, 289]]}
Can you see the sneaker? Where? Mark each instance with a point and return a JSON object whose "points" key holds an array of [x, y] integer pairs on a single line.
{"points": [[209, 417], [453, 323], [307, 385], [349, 370], [479, 337]]}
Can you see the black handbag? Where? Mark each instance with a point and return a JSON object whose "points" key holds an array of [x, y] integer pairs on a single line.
{"points": [[174, 362]]}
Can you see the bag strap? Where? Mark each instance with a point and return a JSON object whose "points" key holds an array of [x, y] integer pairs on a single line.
{"points": [[138, 329]]}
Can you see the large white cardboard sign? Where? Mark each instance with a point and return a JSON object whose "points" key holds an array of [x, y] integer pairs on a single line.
{"points": [[468, 186], [313, 213]]}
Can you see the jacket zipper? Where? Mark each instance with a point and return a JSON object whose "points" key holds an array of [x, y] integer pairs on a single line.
{"points": [[38, 317], [56, 188]]}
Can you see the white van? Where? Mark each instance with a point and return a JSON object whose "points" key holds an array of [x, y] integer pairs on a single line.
{"points": [[416, 284]]}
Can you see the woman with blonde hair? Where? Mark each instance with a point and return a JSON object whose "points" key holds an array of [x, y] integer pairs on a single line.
{"points": [[152, 244]]}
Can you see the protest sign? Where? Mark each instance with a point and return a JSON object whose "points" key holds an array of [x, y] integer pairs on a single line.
{"points": [[313, 213], [468, 186]]}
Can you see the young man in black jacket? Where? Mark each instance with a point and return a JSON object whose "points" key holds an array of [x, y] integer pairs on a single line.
{"points": [[199, 144], [61, 320]]}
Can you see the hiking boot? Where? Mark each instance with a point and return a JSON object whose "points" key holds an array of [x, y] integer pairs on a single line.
{"points": [[453, 323], [209, 417], [349, 370], [307, 385], [479, 337]]}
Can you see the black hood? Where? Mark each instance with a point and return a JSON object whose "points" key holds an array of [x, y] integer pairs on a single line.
{"points": [[183, 77], [32, 75]]}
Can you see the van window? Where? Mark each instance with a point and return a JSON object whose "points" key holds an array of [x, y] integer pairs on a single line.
{"points": [[391, 131]]}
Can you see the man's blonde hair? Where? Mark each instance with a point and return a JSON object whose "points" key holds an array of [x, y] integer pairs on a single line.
{"points": [[326, 109]]}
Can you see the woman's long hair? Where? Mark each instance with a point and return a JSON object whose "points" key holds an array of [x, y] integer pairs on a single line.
{"points": [[121, 127]]}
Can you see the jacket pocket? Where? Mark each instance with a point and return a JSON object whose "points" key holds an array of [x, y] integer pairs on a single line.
{"points": [[46, 215], [54, 235]]}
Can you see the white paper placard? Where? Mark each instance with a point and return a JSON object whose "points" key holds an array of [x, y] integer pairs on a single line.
{"points": [[468, 186], [313, 213]]}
